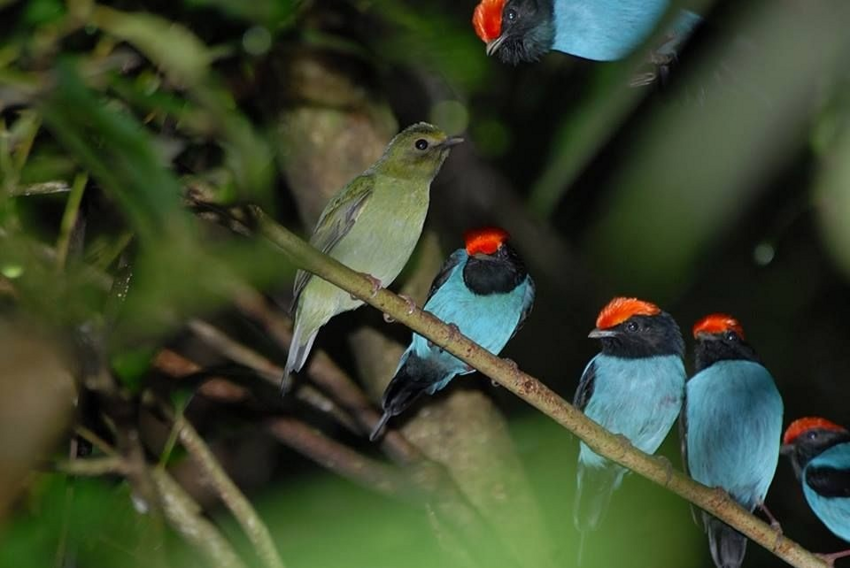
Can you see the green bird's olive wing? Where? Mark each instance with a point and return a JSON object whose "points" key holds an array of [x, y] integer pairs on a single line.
{"points": [[336, 221]]}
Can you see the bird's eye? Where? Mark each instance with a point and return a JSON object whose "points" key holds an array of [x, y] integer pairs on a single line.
{"points": [[813, 435], [511, 15], [731, 336], [631, 326], [421, 144]]}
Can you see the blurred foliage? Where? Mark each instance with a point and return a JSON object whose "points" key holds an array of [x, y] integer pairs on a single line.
{"points": [[725, 188]]}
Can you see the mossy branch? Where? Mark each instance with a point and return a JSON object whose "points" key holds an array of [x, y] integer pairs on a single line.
{"points": [[538, 395]]}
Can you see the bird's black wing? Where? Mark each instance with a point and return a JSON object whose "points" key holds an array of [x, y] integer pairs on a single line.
{"points": [[829, 481], [446, 270], [585, 386]]}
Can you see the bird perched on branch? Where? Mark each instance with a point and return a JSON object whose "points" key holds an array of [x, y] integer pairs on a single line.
{"points": [[633, 387], [819, 451], [485, 291], [602, 30], [372, 225], [731, 427]]}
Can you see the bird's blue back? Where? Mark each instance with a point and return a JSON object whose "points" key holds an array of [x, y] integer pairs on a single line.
{"points": [[834, 512], [734, 428], [607, 30], [489, 320], [638, 398]]}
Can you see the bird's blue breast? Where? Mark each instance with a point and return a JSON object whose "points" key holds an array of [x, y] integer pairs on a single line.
{"points": [[638, 398], [734, 421], [487, 320], [607, 30], [833, 511]]}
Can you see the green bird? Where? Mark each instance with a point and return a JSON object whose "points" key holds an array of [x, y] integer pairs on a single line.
{"points": [[372, 226]]}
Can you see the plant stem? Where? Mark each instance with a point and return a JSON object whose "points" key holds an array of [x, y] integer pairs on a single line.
{"points": [[537, 394]]}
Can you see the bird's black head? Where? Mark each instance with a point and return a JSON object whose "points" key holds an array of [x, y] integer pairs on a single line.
{"points": [[632, 328], [494, 267], [719, 337], [516, 30], [807, 438]]}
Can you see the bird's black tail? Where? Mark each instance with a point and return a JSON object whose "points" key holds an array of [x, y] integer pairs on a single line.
{"points": [[415, 377], [593, 494], [726, 544]]}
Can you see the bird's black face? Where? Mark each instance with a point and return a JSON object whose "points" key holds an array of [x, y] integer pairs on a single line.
{"points": [[528, 31], [642, 336], [725, 346], [496, 273], [811, 444]]}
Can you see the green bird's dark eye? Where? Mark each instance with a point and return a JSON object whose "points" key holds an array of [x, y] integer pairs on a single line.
{"points": [[511, 15], [731, 336], [631, 326], [421, 144]]}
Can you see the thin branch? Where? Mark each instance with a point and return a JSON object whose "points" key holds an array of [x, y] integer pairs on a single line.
{"points": [[326, 373], [342, 460], [267, 370], [92, 466], [538, 395], [232, 497], [185, 516]]}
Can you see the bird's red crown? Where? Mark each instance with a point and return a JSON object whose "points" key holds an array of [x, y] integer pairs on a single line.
{"points": [[486, 240], [487, 19], [718, 323], [803, 425], [619, 310]]}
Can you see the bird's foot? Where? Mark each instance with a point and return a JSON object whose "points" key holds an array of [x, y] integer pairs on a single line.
{"points": [[774, 524], [668, 469], [454, 333], [625, 443], [376, 285], [388, 318], [642, 79], [720, 495], [833, 556], [411, 305]]}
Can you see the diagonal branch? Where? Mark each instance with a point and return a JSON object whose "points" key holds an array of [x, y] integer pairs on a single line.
{"points": [[536, 394]]}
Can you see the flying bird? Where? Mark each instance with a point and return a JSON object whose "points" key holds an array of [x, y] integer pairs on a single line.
{"points": [[731, 427], [485, 290], [372, 225], [601, 30]]}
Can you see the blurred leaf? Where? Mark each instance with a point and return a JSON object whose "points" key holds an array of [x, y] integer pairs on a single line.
{"points": [[40, 12], [268, 12], [131, 365], [171, 46], [119, 153]]}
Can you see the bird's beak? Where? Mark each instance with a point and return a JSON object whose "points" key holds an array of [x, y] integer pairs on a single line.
{"points": [[450, 141], [493, 46], [786, 449], [601, 333]]}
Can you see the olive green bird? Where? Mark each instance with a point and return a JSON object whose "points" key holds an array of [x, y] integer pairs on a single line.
{"points": [[371, 226]]}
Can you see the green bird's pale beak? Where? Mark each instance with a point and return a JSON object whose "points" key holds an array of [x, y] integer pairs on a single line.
{"points": [[450, 141], [597, 333]]}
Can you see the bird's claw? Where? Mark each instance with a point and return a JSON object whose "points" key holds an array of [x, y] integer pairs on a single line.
{"points": [[388, 318], [833, 556], [376, 285], [411, 305], [668, 469], [774, 524]]}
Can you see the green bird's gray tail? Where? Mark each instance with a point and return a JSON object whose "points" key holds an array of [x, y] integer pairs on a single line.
{"points": [[595, 486], [299, 349]]}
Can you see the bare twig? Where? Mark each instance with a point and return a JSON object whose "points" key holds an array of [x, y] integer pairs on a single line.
{"points": [[537, 394], [326, 373], [92, 466], [267, 370], [342, 460], [185, 516], [232, 497]]}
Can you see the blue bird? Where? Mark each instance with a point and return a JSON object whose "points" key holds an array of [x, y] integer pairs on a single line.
{"points": [[634, 387], [602, 30], [731, 427], [485, 291], [820, 454]]}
